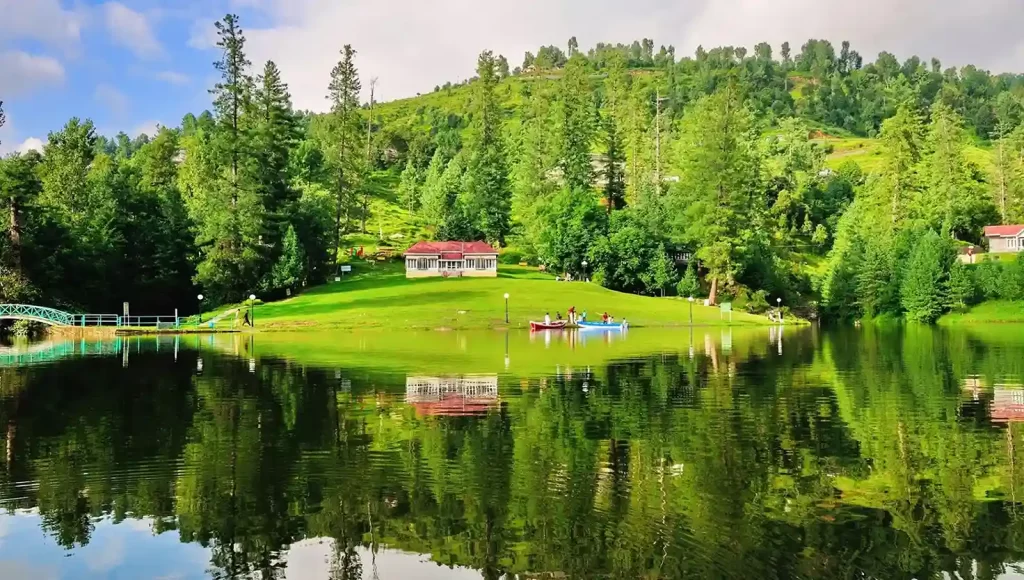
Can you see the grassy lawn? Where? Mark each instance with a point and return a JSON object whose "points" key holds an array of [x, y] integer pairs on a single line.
{"points": [[987, 312], [381, 297]]}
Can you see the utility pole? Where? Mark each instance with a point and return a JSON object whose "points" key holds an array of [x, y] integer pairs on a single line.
{"points": [[369, 129]]}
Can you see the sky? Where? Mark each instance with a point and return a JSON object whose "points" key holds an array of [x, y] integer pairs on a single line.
{"points": [[131, 65]]}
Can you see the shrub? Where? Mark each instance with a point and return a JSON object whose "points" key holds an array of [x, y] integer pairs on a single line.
{"points": [[511, 256], [758, 303], [963, 290]]}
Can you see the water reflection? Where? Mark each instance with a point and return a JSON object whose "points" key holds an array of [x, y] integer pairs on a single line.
{"points": [[708, 454]]}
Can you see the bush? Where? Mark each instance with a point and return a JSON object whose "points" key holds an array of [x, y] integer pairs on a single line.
{"points": [[988, 279], [758, 303], [1013, 279], [511, 256]]}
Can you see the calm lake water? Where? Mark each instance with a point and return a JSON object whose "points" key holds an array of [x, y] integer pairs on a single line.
{"points": [[714, 454]]}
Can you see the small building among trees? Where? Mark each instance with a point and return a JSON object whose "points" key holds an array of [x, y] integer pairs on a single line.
{"points": [[1005, 239], [451, 260]]}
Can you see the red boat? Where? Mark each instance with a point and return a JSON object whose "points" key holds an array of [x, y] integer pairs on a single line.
{"points": [[553, 325]]}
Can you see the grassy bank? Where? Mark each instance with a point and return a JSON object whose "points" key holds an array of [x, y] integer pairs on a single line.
{"points": [[993, 311], [381, 297]]}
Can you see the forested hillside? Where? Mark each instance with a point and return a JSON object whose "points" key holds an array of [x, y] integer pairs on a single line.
{"points": [[815, 175]]}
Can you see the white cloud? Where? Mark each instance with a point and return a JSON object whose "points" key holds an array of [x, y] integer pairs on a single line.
{"points": [[149, 128], [409, 56], [30, 144], [21, 72], [202, 35], [171, 77], [112, 98], [43, 20], [132, 30]]}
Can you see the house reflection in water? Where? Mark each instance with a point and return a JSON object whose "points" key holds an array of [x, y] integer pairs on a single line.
{"points": [[452, 396], [1008, 403]]}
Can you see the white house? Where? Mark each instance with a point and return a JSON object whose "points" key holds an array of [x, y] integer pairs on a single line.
{"points": [[451, 260], [1005, 239]]}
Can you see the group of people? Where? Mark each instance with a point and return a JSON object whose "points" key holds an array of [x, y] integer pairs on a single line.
{"points": [[573, 317]]}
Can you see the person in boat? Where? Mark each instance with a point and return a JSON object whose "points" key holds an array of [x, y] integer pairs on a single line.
{"points": [[572, 315], [583, 316], [604, 317], [547, 318], [558, 316]]}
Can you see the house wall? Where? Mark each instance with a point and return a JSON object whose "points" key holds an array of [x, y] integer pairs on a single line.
{"points": [[1005, 245], [437, 271]]}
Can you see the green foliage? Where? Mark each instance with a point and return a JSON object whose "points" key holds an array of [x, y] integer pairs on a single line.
{"points": [[962, 289], [630, 258], [689, 284], [924, 292], [576, 125], [289, 272], [487, 172], [573, 222], [717, 200]]}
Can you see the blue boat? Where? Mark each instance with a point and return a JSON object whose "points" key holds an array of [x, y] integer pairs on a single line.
{"points": [[602, 325]]}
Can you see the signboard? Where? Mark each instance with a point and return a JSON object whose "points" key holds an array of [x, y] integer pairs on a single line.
{"points": [[346, 268], [725, 307]]}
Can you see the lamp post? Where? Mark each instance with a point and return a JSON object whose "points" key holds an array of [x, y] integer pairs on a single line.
{"points": [[584, 270], [506, 308], [690, 299], [252, 317], [781, 317], [200, 298]]}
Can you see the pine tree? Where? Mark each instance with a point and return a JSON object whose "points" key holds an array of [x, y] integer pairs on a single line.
{"points": [[952, 200], [874, 280], [689, 285], [902, 141], [231, 95], [488, 169], [409, 187], [343, 92], [289, 271], [576, 124], [924, 292], [614, 178], [720, 164], [276, 134], [962, 289]]}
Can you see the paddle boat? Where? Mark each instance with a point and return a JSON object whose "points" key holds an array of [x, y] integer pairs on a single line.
{"points": [[551, 325], [587, 325]]}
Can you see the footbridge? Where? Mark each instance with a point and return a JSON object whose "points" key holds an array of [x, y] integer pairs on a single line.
{"points": [[54, 317]]}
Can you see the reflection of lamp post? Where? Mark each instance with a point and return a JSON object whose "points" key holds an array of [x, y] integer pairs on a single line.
{"points": [[252, 317], [781, 317], [200, 298], [691, 309], [506, 350], [506, 308]]}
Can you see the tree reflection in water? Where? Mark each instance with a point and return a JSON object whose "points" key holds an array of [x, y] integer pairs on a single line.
{"points": [[852, 453]]}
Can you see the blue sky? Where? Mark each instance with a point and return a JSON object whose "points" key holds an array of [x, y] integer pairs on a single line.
{"points": [[130, 64]]}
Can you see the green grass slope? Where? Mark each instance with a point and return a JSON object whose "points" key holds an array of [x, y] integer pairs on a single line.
{"points": [[381, 297], [993, 311]]}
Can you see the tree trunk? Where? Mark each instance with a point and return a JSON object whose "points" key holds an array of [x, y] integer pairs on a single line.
{"points": [[713, 294], [337, 216]]}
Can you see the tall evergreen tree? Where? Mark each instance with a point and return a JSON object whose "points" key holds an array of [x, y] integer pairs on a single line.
{"points": [[614, 160], [232, 93], [720, 177], [576, 120], [343, 92], [275, 136], [924, 292], [488, 169]]}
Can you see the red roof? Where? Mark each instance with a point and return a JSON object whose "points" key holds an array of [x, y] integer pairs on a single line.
{"points": [[1003, 231], [453, 247]]}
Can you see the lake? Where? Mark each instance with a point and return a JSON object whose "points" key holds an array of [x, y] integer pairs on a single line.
{"points": [[715, 453]]}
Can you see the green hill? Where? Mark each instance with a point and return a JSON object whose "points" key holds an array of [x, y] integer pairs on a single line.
{"points": [[381, 297]]}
